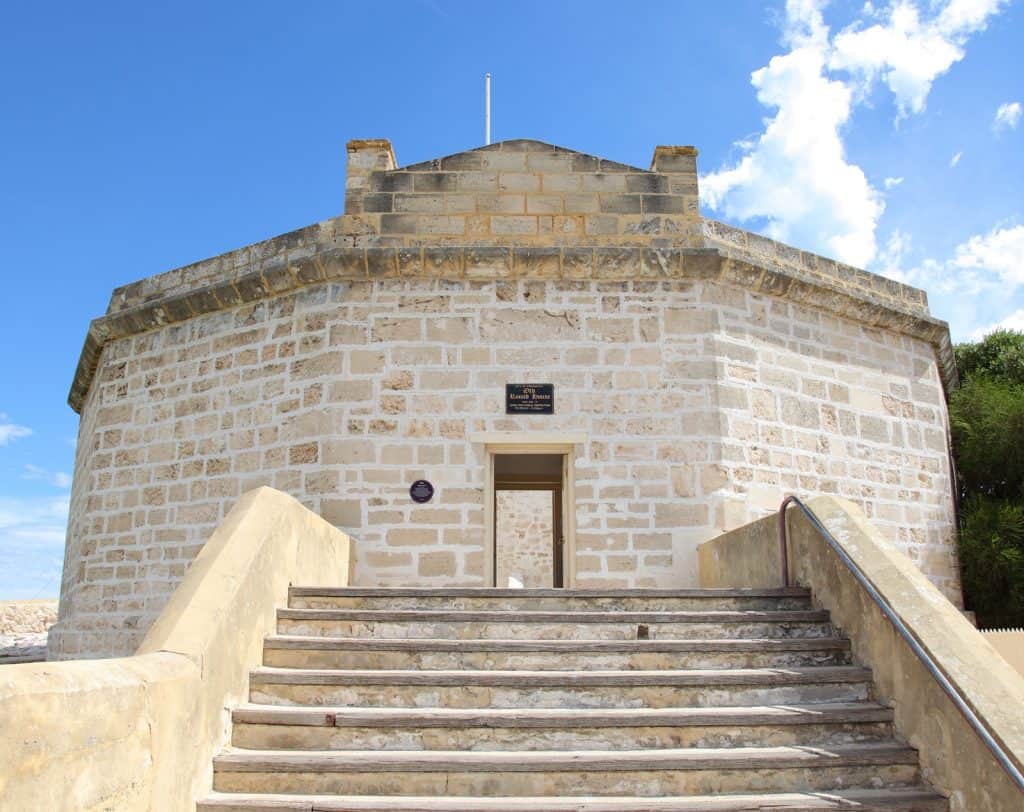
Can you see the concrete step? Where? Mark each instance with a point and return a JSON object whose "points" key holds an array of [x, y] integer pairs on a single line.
{"points": [[268, 727], [294, 651], [600, 625], [548, 599], [552, 689], [566, 773], [908, 799]]}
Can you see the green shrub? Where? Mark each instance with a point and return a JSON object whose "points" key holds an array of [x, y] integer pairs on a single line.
{"points": [[1000, 356], [992, 560], [987, 425], [987, 422]]}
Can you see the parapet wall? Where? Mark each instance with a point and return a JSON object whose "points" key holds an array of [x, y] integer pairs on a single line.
{"points": [[514, 193], [524, 191]]}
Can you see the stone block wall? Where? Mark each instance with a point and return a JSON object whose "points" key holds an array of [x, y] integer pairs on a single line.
{"points": [[691, 393], [812, 403]]}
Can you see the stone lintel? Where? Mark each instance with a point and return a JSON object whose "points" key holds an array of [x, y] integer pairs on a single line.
{"points": [[529, 438], [476, 263]]}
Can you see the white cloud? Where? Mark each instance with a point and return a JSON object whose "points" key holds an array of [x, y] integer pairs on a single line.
{"points": [[1000, 253], [795, 175], [892, 183], [32, 535], [58, 479], [33, 519], [955, 159], [891, 258], [967, 16], [979, 280], [1015, 321], [1007, 116], [990, 264], [11, 431], [909, 52]]}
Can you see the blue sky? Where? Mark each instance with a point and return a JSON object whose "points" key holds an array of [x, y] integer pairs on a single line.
{"points": [[137, 137]]}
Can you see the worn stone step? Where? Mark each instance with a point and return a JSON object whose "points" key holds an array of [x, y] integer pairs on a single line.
{"points": [[900, 799], [296, 651], [547, 599], [552, 689], [269, 727], [524, 624], [567, 773]]}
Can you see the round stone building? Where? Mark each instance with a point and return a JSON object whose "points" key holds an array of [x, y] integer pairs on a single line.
{"points": [[582, 377]]}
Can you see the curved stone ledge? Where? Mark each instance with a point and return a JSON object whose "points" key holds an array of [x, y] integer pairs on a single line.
{"points": [[739, 244], [605, 263]]}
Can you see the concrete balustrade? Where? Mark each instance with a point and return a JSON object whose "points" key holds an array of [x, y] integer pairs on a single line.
{"points": [[954, 759], [139, 733]]}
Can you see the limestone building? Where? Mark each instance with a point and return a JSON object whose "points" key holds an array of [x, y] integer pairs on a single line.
{"points": [[694, 374]]}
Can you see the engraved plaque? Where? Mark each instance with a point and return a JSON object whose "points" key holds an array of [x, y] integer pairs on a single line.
{"points": [[529, 398]]}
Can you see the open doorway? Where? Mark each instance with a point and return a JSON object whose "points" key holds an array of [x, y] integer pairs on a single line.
{"points": [[543, 462], [529, 538]]}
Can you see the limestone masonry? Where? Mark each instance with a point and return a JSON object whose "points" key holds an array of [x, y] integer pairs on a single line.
{"points": [[700, 372]]}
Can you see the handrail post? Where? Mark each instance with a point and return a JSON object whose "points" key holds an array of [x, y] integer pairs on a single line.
{"points": [[783, 541]]}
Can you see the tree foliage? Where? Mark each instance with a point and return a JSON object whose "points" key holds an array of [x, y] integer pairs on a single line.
{"points": [[987, 423], [999, 356]]}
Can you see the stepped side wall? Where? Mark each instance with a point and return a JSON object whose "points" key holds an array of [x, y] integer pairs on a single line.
{"points": [[138, 734], [701, 402]]}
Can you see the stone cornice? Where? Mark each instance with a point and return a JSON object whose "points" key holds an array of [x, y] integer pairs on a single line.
{"points": [[614, 263]]}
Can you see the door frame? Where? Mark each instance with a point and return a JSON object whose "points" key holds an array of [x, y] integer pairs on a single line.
{"points": [[560, 443]]}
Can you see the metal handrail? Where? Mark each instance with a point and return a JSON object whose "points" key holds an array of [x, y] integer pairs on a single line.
{"points": [[926, 659]]}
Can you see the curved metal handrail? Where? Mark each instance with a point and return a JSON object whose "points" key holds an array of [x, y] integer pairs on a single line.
{"points": [[926, 659]]}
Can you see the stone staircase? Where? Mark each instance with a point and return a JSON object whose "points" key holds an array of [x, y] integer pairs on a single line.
{"points": [[544, 700]]}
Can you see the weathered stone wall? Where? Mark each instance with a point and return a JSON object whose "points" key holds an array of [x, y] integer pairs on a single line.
{"points": [[692, 395], [814, 404], [524, 526]]}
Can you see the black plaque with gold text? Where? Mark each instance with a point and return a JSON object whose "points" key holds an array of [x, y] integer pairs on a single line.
{"points": [[529, 398]]}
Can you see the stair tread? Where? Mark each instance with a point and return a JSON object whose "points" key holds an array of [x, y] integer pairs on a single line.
{"points": [[567, 616], [783, 708], [490, 592], [866, 800], [823, 713], [292, 641], [690, 758], [577, 678]]}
